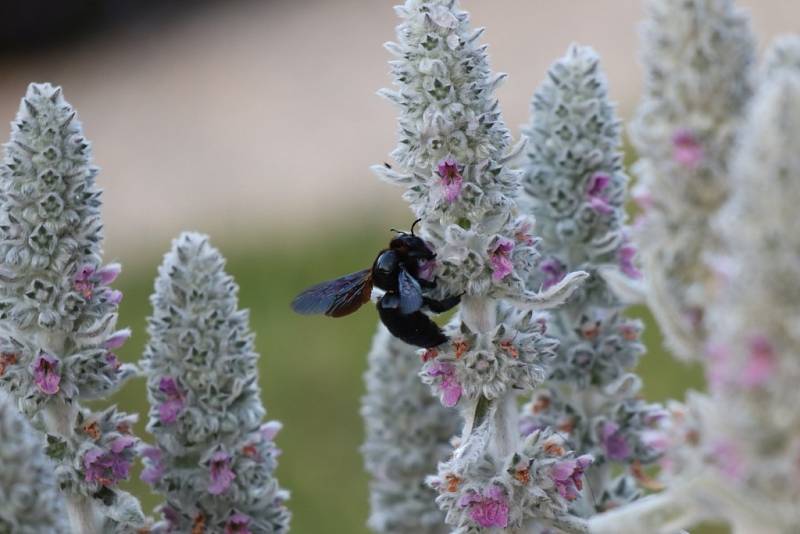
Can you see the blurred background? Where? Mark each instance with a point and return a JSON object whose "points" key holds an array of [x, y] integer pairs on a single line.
{"points": [[256, 122]]}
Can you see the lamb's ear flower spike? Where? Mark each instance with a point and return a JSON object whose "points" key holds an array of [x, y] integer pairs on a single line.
{"points": [[576, 189], [408, 432], [452, 159], [214, 458], [698, 56], [31, 503], [57, 311], [735, 452]]}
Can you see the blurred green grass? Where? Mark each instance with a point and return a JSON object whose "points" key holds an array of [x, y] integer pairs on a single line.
{"points": [[311, 367]]}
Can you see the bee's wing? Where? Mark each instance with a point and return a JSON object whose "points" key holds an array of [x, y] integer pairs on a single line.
{"points": [[336, 298], [410, 293]]}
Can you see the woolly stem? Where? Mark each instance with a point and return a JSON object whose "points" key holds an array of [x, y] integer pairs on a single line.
{"points": [[58, 419], [659, 514], [480, 314]]}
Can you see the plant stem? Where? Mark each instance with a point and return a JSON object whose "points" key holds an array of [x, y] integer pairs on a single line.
{"points": [[59, 420]]}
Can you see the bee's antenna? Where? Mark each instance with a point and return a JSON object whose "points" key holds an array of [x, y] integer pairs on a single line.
{"points": [[413, 225], [396, 231]]}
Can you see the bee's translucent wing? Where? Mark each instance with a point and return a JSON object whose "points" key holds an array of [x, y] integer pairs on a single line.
{"points": [[336, 298], [410, 293]]}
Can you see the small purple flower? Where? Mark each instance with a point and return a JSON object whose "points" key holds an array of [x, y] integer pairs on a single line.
{"points": [[614, 444], [221, 473], [45, 373], [728, 460], [270, 429], [717, 373], [567, 474], [171, 515], [238, 524], [452, 180], [115, 296], [626, 254], [109, 467], [554, 272], [117, 339], [82, 281], [113, 361], [106, 275], [594, 192], [686, 148], [155, 467], [169, 409], [489, 509], [450, 388], [500, 257], [655, 440], [88, 278], [642, 197], [761, 362], [426, 268]]}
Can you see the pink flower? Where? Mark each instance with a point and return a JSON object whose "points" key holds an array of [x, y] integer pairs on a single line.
{"points": [[45, 373], [109, 467], [686, 148], [727, 459], [221, 473], [169, 409], [594, 192], [642, 197], [238, 524], [554, 272], [155, 468], [626, 254], [115, 296], [450, 388], [117, 339], [761, 362], [500, 257], [719, 358], [88, 278], [426, 268], [614, 443], [567, 474], [106, 275], [655, 440], [270, 429], [452, 180], [489, 509]]}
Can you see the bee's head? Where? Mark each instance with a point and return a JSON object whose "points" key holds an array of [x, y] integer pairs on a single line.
{"points": [[411, 244]]}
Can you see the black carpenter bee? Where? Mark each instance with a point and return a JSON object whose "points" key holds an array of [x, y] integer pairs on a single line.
{"points": [[396, 270]]}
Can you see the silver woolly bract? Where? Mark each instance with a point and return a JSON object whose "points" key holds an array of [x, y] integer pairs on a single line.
{"points": [[452, 158], [57, 309], [214, 459], [29, 499], [407, 433], [698, 57], [576, 189], [733, 453]]}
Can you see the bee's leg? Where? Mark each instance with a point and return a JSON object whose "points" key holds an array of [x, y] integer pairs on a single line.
{"points": [[440, 306], [414, 328], [427, 284]]}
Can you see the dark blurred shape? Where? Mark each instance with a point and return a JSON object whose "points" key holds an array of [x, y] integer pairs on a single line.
{"points": [[33, 25]]}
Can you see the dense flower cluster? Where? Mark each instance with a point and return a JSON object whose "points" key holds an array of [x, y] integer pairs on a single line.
{"points": [[452, 158], [57, 309], [698, 56], [214, 459], [29, 500], [576, 190], [407, 433]]}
